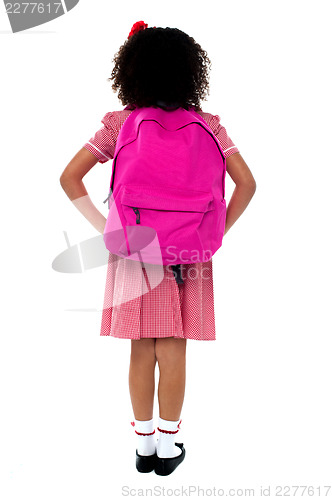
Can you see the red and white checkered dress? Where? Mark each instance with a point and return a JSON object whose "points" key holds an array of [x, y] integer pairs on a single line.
{"points": [[134, 309]]}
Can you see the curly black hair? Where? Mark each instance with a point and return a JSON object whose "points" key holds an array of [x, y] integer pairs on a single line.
{"points": [[161, 64]]}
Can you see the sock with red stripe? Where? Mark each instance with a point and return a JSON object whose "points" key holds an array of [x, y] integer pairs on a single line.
{"points": [[167, 432], [146, 443]]}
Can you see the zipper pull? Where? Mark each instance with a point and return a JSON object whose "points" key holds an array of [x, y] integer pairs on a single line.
{"points": [[138, 218], [108, 198]]}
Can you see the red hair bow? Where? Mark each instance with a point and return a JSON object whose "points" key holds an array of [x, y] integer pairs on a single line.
{"points": [[139, 26]]}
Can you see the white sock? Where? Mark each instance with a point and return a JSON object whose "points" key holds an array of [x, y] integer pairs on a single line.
{"points": [[146, 445], [165, 444]]}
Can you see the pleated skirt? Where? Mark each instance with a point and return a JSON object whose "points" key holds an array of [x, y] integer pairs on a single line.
{"points": [[145, 301]]}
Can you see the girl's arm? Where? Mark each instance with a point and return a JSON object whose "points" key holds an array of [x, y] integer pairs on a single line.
{"points": [[84, 160], [245, 187], [71, 183]]}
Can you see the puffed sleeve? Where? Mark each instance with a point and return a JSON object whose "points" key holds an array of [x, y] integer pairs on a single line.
{"points": [[102, 144], [227, 145]]}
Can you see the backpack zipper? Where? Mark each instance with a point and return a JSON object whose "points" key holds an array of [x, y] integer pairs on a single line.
{"points": [[108, 198], [138, 218]]}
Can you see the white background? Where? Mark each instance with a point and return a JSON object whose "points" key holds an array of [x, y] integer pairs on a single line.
{"points": [[257, 409]]}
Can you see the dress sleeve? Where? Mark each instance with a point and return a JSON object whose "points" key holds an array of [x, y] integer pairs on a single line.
{"points": [[227, 145], [102, 144]]}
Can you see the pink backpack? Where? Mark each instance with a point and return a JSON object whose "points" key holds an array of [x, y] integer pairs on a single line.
{"points": [[167, 189]]}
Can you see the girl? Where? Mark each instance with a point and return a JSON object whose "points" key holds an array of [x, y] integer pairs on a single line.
{"points": [[157, 67]]}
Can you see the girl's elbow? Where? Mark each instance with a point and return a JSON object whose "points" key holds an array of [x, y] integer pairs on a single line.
{"points": [[65, 181], [253, 186], [62, 180], [248, 185]]}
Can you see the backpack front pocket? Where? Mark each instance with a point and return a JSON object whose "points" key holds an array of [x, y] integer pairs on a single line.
{"points": [[181, 218], [147, 204]]}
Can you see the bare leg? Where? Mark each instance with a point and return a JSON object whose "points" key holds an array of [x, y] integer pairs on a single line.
{"points": [[141, 377], [171, 357]]}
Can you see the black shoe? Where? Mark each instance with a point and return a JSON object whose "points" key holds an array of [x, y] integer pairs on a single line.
{"points": [[145, 463], [165, 466]]}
